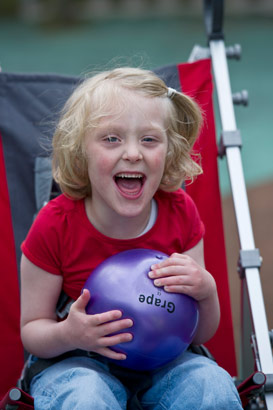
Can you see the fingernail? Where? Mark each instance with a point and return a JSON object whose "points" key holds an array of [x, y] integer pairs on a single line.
{"points": [[157, 282]]}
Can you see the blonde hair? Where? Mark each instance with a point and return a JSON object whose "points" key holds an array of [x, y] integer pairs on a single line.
{"points": [[91, 101]]}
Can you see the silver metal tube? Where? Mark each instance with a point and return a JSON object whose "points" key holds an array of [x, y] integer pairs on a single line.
{"points": [[252, 281]]}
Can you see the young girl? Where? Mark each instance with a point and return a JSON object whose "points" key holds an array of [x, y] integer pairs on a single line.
{"points": [[120, 153]]}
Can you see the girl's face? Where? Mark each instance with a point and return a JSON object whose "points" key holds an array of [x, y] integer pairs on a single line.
{"points": [[126, 156]]}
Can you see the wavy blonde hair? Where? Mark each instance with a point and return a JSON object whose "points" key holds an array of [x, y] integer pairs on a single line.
{"points": [[91, 101]]}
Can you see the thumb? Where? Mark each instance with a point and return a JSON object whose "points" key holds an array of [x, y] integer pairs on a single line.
{"points": [[82, 301]]}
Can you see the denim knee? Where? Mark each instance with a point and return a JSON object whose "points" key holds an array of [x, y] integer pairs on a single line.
{"points": [[212, 386], [192, 382], [77, 383]]}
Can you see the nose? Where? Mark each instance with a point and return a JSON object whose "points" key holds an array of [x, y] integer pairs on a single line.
{"points": [[132, 152]]}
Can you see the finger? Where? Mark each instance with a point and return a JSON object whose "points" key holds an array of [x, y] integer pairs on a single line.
{"points": [[174, 280], [171, 270], [175, 258], [186, 290], [176, 284], [114, 327], [105, 317], [82, 301], [111, 354], [116, 339]]}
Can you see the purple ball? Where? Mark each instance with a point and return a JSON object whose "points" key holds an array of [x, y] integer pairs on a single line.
{"points": [[164, 323]]}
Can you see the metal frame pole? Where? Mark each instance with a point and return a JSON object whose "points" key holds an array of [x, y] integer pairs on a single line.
{"points": [[254, 321], [252, 291]]}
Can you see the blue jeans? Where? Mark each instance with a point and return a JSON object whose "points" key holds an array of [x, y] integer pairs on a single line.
{"points": [[191, 382]]}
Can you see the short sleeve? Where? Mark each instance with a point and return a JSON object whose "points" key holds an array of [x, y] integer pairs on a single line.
{"points": [[42, 244]]}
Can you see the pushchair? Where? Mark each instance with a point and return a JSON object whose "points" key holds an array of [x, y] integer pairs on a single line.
{"points": [[29, 105]]}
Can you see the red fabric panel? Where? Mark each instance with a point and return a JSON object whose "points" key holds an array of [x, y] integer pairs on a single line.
{"points": [[11, 350], [196, 81]]}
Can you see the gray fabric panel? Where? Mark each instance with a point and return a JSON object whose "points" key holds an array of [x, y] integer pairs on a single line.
{"points": [[42, 181], [29, 107], [170, 76]]}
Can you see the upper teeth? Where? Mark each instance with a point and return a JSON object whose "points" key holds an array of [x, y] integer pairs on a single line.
{"points": [[129, 175]]}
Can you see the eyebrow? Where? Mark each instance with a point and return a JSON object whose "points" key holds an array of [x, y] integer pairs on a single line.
{"points": [[120, 128]]}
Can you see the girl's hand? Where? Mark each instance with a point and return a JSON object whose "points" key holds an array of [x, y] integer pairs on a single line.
{"points": [[180, 273], [186, 273], [94, 332]]}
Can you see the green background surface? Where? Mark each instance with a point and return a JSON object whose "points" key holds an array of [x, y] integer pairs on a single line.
{"points": [[151, 42]]}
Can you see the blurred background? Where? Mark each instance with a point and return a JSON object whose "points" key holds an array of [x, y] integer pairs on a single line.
{"points": [[74, 37]]}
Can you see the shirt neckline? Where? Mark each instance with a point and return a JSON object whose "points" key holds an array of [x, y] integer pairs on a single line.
{"points": [[150, 227]]}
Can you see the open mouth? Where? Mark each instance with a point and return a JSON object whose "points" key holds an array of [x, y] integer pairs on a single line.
{"points": [[130, 184]]}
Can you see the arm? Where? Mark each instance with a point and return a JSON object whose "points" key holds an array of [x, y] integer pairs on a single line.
{"points": [[44, 336], [186, 273]]}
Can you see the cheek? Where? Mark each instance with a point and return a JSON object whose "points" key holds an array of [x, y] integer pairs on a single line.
{"points": [[160, 160], [98, 163], [98, 170]]}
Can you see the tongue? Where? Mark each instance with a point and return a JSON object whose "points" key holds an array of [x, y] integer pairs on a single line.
{"points": [[129, 185]]}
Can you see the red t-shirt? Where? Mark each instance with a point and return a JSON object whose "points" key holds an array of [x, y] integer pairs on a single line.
{"points": [[62, 240]]}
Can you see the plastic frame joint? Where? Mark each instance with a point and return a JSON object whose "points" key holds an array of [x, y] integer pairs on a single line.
{"points": [[248, 259], [229, 139], [268, 387]]}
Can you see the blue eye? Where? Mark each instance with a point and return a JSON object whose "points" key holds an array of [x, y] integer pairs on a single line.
{"points": [[112, 138], [148, 139]]}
